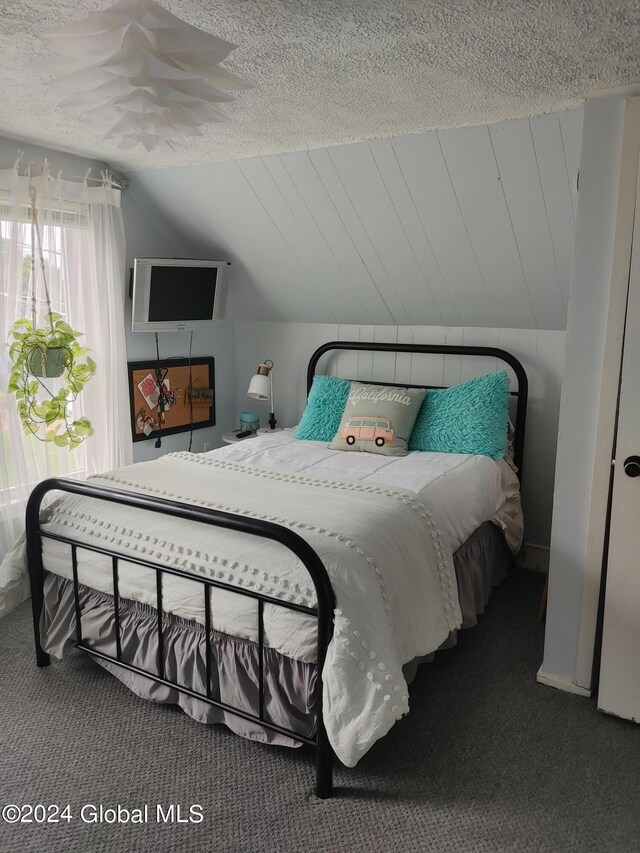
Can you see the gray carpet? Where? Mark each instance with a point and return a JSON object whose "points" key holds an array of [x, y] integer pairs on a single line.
{"points": [[487, 760]]}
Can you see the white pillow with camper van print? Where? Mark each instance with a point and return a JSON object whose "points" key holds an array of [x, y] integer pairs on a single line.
{"points": [[378, 419]]}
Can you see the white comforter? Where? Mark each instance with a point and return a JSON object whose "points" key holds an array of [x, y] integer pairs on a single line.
{"points": [[465, 490]]}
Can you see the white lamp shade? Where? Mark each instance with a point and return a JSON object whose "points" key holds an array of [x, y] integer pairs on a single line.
{"points": [[259, 387]]}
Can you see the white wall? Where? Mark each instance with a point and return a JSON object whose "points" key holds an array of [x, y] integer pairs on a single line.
{"points": [[595, 328], [290, 345], [148, 234], [69, 163]]}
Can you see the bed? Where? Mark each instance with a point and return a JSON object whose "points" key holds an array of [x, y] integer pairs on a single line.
{"points": [[275, 585]]}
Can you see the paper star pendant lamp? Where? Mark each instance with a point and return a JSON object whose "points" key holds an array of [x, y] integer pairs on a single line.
{"points": [[146, 76]]}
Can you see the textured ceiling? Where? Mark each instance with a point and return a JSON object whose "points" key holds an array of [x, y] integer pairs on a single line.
{"points": [[333, 71]]}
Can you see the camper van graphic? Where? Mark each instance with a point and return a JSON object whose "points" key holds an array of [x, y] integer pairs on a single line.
{"points": [[368, 428]]}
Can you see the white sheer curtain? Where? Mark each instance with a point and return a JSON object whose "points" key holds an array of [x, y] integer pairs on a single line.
{"points": [[84, 252]]}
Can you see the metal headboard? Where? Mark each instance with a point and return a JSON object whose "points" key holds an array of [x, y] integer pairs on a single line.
{"points": [[490, 352]]}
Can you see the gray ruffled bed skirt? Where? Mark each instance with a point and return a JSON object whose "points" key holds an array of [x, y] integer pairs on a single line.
{"points": [[481, 563]]}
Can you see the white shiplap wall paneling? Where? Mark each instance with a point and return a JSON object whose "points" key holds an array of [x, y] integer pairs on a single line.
{"points": [[474, 176], [323, 265], [556, 184], [452, 373], [384, 363], [329, 364], [308, 337], [479, 365], [341, 253], [174, 186], [270, 195], [262, 247], [427, 369], [403, 360], [520, 180], [348, 359], [434, 303], [387, 252], [381, 303], [414, 368], [428, 180], [523, 344], [506, 342], [571, 131], [365, 359]]}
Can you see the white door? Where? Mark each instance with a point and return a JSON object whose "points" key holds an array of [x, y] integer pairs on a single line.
{"points": [[619, 691]]}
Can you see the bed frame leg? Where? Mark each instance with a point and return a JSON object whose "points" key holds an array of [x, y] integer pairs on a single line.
{"points": [[324, 764], [36, 569], [42, 658]]}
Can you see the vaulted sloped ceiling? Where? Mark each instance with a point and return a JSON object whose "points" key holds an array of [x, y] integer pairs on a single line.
{"points": [[469, 227]]}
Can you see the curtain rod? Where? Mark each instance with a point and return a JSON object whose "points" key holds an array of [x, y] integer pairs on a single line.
{"points": [[121, 184]]}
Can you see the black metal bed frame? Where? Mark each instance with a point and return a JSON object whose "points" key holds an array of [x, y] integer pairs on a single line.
{"points": [[292, 541]]}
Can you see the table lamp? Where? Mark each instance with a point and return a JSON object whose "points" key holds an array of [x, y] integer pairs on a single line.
{"points": [[261, 388]]}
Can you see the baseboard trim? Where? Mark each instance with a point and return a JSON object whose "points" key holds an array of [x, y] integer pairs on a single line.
{"points": [[561, 684], [536, 558]]}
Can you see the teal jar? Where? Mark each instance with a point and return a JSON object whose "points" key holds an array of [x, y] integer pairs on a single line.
{"points": [[249, 420]]}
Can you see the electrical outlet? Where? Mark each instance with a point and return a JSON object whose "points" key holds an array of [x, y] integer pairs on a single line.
{"points": [[206, 447]]}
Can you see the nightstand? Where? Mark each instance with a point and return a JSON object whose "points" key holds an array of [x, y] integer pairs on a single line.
{"points": [[232, 437]]}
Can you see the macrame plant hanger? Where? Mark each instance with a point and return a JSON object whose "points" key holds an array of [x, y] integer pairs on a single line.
{"points": [[36, 236]]}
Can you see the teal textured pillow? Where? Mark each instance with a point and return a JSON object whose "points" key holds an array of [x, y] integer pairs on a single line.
{"points": [[467, 418], [323, 413]]}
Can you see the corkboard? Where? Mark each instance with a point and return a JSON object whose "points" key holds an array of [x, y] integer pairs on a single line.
{"points": [[186, 411]]}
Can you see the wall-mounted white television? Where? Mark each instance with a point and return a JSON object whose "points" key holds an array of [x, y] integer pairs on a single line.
{"points": [[178, 294]]}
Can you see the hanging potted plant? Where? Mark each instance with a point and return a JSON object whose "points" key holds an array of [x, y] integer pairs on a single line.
{"points": [[52, 351], [46, 352]]}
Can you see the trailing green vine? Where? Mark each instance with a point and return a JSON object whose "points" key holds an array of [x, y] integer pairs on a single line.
{"points": [[49, 420]]}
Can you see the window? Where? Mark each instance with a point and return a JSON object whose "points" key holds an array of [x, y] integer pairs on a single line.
{"points": [[69, 224], [84, 254]]}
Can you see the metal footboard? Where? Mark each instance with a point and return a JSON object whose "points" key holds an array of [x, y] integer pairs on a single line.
{"points": [[323, 611]]}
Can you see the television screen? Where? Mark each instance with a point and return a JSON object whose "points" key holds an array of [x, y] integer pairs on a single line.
{"points": [[181, 293], [177, 294]]}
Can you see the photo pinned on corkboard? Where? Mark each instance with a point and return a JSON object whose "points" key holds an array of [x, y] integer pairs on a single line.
{"points": [[170, 396]]}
